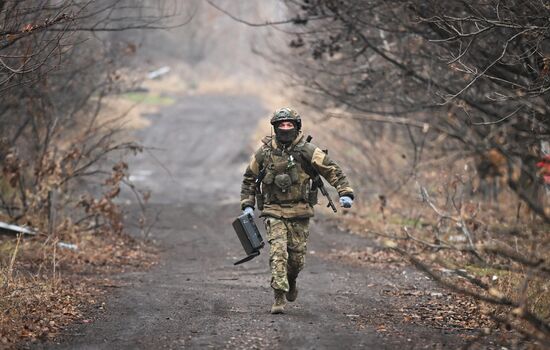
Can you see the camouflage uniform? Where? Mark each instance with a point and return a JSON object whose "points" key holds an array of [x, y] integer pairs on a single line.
{"points": [[287, 253], [287, 200]]}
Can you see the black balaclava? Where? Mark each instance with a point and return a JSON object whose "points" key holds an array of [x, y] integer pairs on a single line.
{"points": [[286, 136]]}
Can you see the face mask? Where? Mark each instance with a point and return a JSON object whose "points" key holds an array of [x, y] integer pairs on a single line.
{"points": [[286, 136]]}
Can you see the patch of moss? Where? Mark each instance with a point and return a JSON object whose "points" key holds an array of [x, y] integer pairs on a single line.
{"points": [[149, 99]]}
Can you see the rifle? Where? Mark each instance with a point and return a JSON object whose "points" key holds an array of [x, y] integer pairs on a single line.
{"points": [[317, 182]]}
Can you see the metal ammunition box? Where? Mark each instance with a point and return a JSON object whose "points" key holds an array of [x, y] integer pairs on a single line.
{"points": [[249, 235]]}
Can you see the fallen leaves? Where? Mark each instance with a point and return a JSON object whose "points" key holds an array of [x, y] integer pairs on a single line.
{"points": [[450, 311], [367, 256], [39, 310], [36, 305], [421, 305]]}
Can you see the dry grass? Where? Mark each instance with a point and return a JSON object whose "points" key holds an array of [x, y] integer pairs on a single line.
{"points": [[130, 113], [44, 287]]}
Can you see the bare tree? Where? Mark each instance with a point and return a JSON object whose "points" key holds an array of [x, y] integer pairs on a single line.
{"points": [[476, 72], [57, 63], [455, 80]]}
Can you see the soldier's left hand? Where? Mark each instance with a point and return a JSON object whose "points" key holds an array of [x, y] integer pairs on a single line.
{"points": [[248, 210], [346, 201]]}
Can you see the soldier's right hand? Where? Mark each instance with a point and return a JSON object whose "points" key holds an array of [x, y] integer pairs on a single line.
{"points": [[248, 210]]}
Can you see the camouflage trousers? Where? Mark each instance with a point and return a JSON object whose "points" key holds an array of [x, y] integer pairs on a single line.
{"points": [[287, 249]]}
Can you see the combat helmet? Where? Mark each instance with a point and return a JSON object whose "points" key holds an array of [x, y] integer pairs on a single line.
{"points": [[286, 114]]}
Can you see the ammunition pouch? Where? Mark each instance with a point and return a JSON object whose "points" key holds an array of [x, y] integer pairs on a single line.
{"points": [[269, 177], [312, 196], [293, 173], [260, 201], [283, 181]]}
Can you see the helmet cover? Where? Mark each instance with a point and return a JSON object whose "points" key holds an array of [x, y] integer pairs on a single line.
{"points": [[286, 114]]}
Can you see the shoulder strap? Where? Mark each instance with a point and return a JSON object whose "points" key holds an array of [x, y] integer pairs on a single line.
{"points": [[266, 150]]}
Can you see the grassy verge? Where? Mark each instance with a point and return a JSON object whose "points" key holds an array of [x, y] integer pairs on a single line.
{"points": [[44, 288]]}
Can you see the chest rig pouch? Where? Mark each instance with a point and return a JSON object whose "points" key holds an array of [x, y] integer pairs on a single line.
{"points": [[285, 181]]}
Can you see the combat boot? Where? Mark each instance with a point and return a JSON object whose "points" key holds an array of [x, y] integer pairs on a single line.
{"points": [[292, 290], [279, 304]]}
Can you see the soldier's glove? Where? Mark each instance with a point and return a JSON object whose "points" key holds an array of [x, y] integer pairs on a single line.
{"points": [[346, 201], [248, 210]]}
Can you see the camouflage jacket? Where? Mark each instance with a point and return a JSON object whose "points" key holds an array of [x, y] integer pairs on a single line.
{"points": [[286, 187]]}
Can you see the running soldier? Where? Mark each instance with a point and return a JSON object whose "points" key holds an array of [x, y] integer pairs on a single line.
{"points": [[278, 181]]}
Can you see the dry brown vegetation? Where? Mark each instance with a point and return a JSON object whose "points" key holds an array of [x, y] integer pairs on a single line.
{"points": [[62, 156], [502, 273], [441, 112], [46, 287]]}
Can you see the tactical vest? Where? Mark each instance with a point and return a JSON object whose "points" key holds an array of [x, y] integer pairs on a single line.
{"points": [[286, 181]]}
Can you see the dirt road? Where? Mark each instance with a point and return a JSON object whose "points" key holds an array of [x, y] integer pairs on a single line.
{"points": [[195, 298]]}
